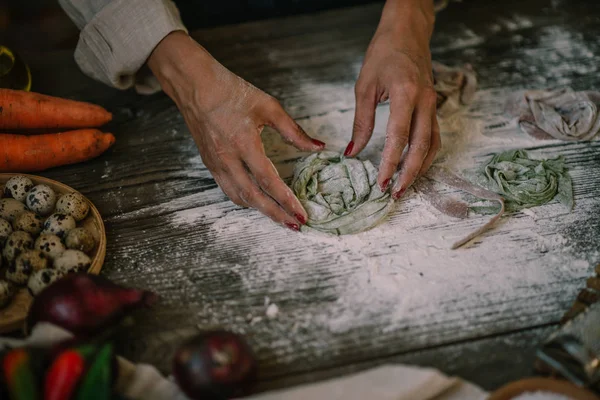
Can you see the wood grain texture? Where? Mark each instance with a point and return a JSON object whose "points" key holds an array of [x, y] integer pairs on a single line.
{"points": [[170, 228]]}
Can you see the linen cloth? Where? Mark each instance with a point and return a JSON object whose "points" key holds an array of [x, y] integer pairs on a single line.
{"points": [[118, 36], [387, 382]]}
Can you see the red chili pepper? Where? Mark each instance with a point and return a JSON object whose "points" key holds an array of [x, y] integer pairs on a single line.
{"points": [[63, 375], [19, 376]]}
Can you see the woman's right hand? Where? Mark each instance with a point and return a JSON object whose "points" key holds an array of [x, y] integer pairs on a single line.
{"points": [[226, 115]]}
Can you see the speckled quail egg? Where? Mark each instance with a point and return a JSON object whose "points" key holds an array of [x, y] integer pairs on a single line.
{"points": [[28, 222], [73, 204], [10, 208], [16, 243], [7, 291], [59, 225], [26, 263], [39, 280], [5, 230], [80, 239], [50, 245], [41, 199], [72, 261], [17, 187]]}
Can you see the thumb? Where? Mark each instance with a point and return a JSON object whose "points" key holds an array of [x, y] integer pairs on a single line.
{"points": [[290, 130]]}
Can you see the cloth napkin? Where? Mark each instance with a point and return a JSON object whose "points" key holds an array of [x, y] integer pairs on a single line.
{"points": [[387, 382]]}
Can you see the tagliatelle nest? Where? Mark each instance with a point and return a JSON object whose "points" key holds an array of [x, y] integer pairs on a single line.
{"points": [[340, 195], [562, 114], [455, 87]]}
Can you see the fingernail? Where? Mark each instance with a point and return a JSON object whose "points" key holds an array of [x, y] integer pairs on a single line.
{"points": [[293, 227], [300, 218], [399, 193], [318, 143], [349, 149], [385, 185]]}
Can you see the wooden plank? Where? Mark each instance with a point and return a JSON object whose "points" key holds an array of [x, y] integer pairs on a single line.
{"points": [[354, 301], [503, 359]]}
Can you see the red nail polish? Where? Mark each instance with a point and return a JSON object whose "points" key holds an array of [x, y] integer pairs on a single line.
{"points": [[318, 143], [293, 227], [300, 218], [349, 148], [398, 194], [385, 185]]}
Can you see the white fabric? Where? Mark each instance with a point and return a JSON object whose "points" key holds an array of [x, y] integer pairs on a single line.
{"points": [[118, 36], [388, 382]]}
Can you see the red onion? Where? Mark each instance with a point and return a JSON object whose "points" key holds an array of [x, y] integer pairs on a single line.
{"points": [[86, 304], [214, 365]]}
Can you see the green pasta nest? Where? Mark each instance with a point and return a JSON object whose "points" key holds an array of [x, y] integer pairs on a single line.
{"points": [[340, 195], [525, 182]]}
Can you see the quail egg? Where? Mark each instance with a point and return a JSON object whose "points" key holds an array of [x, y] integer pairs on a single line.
{"points": [[7, 291], [28, 222], [17, 187], [10, 208], [39, 280], [16, 244], [50, 245], [59, 225], [41, 199], [73, 204], [72, 261], [80, 239], [26, 263], [5, 230]]}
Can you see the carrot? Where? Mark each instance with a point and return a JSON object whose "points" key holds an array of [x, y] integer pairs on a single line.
{"points": [[20, 153], [27, 110]]}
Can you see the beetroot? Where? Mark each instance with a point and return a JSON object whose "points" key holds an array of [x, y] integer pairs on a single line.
{"points": [[214, 365], [86, 304]]}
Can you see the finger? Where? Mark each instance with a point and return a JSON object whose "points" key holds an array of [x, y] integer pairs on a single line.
{"points": [[251, 194], [397, 134], [434, 148], [268, 180], [419, 144], [229, 189], [364, 118], [293, 133]]}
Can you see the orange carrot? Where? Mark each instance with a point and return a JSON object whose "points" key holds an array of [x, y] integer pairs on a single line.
{"points": [[27, 110], [20, 153]]}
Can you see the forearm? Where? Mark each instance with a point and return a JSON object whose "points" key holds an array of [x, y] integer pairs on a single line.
{"points": [[403, 15]]}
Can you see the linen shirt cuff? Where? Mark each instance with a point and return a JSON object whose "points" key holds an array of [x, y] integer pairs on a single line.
{"points": [[115, 44]]}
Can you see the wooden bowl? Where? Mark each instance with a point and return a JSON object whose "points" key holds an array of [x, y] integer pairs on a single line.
{"points": [[13, 316], [548, 385]]}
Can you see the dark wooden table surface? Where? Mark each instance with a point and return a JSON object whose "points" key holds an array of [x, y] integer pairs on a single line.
{"points": [[479, 313]]}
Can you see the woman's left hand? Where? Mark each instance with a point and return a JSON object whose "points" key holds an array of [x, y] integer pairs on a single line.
{"points": [[397, 67]]}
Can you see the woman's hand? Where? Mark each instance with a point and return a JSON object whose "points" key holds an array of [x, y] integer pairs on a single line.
{"points": [[397, 67], [226, 115]]}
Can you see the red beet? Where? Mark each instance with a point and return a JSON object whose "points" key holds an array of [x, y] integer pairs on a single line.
{"points": [[86, 304], [214, 365]]}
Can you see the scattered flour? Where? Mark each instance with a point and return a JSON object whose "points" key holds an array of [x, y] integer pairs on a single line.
{"points": [[402, 271], [272, 311], [400, 276]]}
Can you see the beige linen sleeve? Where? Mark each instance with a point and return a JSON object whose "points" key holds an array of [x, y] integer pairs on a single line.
{"points": [[118, 36]]}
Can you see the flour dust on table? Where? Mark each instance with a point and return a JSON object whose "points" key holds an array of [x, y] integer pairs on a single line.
{"points": [[399, 271]]}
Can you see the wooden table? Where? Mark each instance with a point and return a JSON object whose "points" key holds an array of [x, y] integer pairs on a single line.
{"points": [[346, 304]]}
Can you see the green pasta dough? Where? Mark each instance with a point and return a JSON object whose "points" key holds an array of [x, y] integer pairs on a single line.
{"points": [[525, 182], [340, 195]]}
